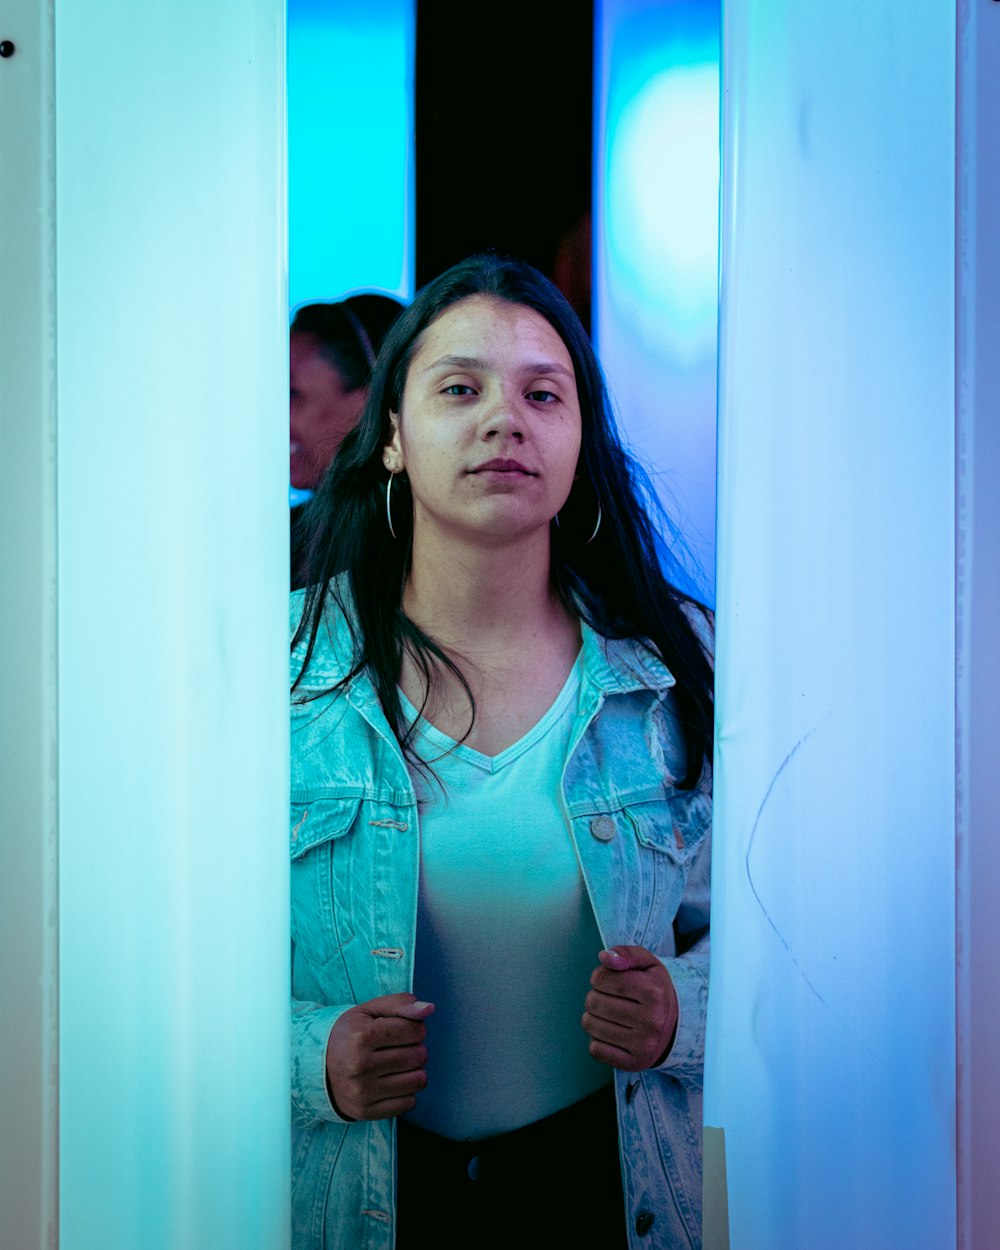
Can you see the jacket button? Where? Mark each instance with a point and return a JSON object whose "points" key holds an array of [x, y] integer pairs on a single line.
{"points": [[603, 828], [644, 1222]]}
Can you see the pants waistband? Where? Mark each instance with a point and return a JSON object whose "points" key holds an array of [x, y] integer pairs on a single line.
{"points": [[536, 1139]]}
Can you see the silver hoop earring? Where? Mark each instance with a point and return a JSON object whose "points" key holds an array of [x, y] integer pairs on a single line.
{"points": [[600, 516], [388, 502]]}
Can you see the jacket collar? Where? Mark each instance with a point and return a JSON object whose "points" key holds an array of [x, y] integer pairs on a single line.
{"points": [[331, 659], [621, 665]]}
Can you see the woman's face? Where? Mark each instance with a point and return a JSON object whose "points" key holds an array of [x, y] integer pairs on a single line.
{"points": [[488, 430], [322, 410]]}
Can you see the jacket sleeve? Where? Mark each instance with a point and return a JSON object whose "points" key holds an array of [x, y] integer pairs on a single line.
{"points": [[689, 968], [312, 1024], [689, 972]]}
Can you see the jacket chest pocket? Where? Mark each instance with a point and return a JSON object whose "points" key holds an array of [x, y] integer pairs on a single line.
{"points": [[675, 826], [670, 833], [324, 885]]}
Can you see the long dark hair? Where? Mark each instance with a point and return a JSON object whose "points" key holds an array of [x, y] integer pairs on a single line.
{"points": [[615, 582]]}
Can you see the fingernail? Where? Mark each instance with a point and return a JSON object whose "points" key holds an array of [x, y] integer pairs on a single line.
{"points": [[420, 1006]]}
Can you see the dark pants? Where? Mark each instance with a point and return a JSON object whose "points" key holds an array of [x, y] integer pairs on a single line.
{"points": [[553, 1183]]}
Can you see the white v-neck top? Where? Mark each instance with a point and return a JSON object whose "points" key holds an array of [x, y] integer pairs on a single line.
{"points": [[506, 936]]}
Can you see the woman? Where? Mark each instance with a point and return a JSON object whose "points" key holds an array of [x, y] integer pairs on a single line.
{"points": [[501, 740]]}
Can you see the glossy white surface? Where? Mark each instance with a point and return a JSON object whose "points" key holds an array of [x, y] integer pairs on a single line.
{"points": [[832, 1059], [173, 550]]}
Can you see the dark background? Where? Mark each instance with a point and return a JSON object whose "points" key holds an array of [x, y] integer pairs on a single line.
{"points": [[504, 137]]}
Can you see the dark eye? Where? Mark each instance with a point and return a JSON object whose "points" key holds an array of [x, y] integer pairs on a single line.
{"points": [[543, 397], [457, 388]]}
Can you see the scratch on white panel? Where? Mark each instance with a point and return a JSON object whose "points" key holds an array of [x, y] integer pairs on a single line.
{"points": [[753, 834]]}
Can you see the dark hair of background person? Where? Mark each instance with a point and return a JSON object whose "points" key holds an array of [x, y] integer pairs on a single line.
{"points": [[615, 582], [350, 332]]}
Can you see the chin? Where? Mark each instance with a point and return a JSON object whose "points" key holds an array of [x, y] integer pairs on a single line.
{"points": [[507, 529], [300, 480]]}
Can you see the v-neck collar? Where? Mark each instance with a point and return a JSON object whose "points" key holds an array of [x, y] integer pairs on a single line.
{"points": [[441, 744]]}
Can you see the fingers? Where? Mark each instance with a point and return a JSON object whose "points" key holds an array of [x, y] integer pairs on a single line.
{"points": [[620, 1045], [613, 1008], [387, 1032], [390, 1109], [631, 1011], [370, 1042], [385, 1097], [609, 1032], [406, 1006], [625, 972], [641, 1043], [628, 1027], [397, 1086], [615, 1057], [652, 1010], [622, 958], [398, 1059], [375, 1057], [631, 985], [378, 1046], [374, 1095]]}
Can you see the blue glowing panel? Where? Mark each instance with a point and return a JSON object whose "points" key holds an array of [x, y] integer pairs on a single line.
{"points": [[350, 147], [656, 239]]}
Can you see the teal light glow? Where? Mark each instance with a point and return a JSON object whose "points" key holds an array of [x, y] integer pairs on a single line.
{"points": [[656, 246], [168, 315], [662, 196], [350, 145]]}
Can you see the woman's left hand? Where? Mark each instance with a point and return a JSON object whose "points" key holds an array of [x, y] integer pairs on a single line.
{"points": [[631, 1010]]}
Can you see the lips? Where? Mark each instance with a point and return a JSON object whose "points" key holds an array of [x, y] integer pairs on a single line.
{"points": [[503, 466]]}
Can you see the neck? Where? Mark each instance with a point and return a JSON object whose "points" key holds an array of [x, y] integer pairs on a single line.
{"points": [[474, 598]]}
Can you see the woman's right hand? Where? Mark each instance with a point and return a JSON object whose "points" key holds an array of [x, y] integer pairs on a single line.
{"points": [[375, 1057]]}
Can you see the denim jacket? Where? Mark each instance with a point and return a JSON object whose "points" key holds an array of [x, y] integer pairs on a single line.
{"points": [[644, 850]]}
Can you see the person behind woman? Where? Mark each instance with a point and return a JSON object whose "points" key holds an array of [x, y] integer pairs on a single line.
{"points": [[501, 797], [331, 353]]}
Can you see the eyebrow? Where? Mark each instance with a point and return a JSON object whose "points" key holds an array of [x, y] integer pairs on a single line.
{"points": [[475, 362]]}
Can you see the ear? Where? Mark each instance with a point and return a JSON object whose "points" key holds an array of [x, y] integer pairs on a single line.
{"points": [[392, 452]]}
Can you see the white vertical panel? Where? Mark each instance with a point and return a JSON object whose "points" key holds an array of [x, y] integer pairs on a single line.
{"points": [[350, 147], [656, 186], [28, 842], [978, 604], [832, 1062], [173, 542]]}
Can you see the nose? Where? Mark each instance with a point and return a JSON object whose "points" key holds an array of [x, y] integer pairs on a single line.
{"points": [[504, 420]]}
